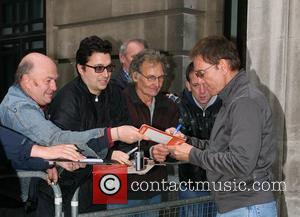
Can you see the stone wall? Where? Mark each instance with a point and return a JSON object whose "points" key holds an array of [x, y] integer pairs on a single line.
{"points": [[273, 53], [172, 26], [273, 43]]}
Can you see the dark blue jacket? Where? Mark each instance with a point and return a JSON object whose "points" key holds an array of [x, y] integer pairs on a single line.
{"points": [[196, 122], [120, 79], [15, 151]]}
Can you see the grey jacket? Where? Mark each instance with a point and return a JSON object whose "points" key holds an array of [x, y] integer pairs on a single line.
{"points": [[22, 114], [241, 147]]}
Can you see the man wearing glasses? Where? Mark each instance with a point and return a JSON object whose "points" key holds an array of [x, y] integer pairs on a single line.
{"points": [[90, 101], [23, 110], [146, 105], [239, 155]]}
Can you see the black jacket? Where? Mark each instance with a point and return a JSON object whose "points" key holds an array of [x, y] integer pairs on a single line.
{"points": [[120, 79], [198, 123], [75, 108]]}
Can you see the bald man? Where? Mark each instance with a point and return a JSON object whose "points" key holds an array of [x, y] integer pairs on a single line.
{"points": [[22, 110]]}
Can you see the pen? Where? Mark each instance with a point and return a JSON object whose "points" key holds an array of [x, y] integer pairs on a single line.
{"points": [[132, 150], [79, 150], [177, 129]]}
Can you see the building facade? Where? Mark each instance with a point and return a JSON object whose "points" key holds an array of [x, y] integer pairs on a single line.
{"points": [[266, 31]]}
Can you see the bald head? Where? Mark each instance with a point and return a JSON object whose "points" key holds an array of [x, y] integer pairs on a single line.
{"points": [[36, 74], [29, 61]]}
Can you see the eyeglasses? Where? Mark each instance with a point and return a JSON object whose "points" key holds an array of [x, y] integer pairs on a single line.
{"points": [[100, 68], [153, 78], [200, 73]]}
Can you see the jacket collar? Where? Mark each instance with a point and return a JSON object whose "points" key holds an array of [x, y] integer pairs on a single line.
{"points": [[187, 95], [229, 91], [86, 90], [159, 102]]}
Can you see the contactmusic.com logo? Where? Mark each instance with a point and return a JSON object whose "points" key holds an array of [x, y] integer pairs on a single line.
{"points": [[110, 184]]}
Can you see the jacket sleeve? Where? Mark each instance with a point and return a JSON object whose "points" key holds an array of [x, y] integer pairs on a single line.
{"points": [[243, 146], [196, 142], [65, 112], [17, 149], [29, 119]]}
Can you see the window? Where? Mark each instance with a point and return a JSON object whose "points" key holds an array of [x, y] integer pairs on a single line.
{"points": [[22, 30], [235, 25]]}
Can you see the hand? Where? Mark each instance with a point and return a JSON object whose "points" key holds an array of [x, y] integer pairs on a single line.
{"points": [[121, 157], [71, 166], [181, 152], [63, 151], [178, 134], [126, 133], [52, 176], [160, 152]]}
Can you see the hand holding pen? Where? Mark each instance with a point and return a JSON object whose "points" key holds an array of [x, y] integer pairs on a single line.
{"points": [[176, 131]]}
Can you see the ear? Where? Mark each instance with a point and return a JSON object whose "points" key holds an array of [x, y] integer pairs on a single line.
{"points": [[25, 81], [122, 58], [188, 86], [25, 78], [134, 76], [224, 66], [80, 68]]}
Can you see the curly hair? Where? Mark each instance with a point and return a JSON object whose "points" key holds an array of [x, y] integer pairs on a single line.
{"points": [[148, 55], [89, 45]]}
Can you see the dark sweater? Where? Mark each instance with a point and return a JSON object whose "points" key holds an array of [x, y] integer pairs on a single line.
{"points": [[165, 115]]}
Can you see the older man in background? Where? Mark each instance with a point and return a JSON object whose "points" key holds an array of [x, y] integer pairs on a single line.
{"points": [[128, 50]]}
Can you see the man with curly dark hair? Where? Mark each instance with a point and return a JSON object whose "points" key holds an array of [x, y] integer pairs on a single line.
{"points": [[90, 101]]}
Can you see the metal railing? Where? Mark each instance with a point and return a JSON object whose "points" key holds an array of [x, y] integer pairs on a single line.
{"points": [[39, 174], [200, 206]]}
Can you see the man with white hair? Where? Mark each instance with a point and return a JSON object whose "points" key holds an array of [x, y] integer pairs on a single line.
{"points": [[128, 50]]}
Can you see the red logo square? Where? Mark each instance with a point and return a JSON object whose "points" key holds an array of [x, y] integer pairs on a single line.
{"points": [[109, 184]]}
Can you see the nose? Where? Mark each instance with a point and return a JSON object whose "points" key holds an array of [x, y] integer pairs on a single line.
{"points": [[201, 89], [105, 73], [53, 85], [157, 82]]}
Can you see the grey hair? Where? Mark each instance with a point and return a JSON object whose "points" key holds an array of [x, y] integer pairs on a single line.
{"points": [[23, 68], [124, 45], [148, 55]]}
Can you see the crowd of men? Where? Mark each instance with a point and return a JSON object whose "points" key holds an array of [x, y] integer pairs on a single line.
{"points": [[226, 124]]}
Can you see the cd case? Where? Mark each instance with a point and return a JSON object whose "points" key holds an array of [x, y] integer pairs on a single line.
{"points": [[160, 136]]}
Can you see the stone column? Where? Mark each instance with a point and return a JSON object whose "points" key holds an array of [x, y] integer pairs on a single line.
{"points": [[273, 40]]}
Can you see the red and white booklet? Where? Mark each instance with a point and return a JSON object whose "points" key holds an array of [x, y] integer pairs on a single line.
{"points": [[160, 136]]}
